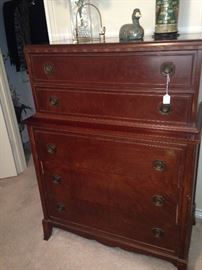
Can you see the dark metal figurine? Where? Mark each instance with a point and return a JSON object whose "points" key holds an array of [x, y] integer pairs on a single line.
{"points": [[133, 31]]}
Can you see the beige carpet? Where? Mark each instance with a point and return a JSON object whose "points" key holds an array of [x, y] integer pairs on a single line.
{"points": [[22, 247]]}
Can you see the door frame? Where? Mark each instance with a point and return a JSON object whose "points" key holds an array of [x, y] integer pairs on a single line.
{"points": [[10, 120]]}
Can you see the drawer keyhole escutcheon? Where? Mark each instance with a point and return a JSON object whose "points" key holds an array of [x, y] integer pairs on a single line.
{"points": [[159, 165], [56, 179], [60, 207], [48, 68], [157, 232], [53, 101], [51, 148], [158, 200], [165, 109], [167, 68]]}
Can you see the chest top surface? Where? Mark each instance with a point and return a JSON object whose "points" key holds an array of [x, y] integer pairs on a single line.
{"points": [[113, 44]]}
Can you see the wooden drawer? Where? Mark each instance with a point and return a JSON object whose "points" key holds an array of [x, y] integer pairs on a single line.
{"points": [[108, 154], [146, 229], [104, 180], [131, 68], [112, 203], [102, 188], [114, 105]]}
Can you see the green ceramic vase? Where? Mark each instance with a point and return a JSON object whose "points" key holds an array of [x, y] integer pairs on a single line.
{"points": [[166, 17]]}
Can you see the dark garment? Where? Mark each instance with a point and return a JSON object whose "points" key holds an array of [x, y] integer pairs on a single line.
{"points": [[25, 23], [22, 29], [9, 14], [38, 27]]}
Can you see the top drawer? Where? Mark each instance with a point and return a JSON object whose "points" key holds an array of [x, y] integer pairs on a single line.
{"points": [[141, 69]]}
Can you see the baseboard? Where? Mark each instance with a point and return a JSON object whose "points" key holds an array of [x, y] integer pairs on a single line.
{"points": [[198, 213]]}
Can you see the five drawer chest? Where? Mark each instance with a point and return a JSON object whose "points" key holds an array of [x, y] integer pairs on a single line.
{"points": [[113, 161]]}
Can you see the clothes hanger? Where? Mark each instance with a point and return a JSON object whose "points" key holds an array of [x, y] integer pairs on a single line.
{"points": [[33, 2]]}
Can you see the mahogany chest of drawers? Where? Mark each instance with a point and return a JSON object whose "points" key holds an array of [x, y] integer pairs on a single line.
{"points": [[113, 163]]}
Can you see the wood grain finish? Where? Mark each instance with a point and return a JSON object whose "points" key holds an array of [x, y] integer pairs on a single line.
{"points": [[108, 188], [132, 107], [110, 165], [114, 68]]}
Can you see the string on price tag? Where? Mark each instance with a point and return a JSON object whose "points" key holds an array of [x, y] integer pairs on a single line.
{"points": [[166, 97]]}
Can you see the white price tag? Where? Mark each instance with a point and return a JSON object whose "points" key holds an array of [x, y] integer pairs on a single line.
{"points": [[166, 99]]}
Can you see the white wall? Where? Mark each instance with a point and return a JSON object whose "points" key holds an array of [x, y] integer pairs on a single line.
{"points": [[115, 13], [7, 162], [118, 12], [190, 16]]}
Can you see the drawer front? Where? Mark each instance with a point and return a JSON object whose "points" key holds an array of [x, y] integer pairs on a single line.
{"points": [[117, 186], [114, 105], [95, 187], [142, 69], [114, 203], [108, 154], [146, 229]]}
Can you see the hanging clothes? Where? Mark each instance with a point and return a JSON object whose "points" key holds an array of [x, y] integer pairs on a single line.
{"points": [[38, 26], [16, 21], [22, 30], [24, 24]]}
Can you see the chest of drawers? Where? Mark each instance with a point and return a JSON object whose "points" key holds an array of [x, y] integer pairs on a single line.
{"points": [[113, 163]]}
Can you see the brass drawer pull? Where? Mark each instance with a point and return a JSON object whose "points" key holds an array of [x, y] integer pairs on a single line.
{"points": [[51, 148], [60, 207], [53, 101], [158, 200], [157, 232], [48, 68], [167, 68], [159, 165], [165, 109], [56, 179]]}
